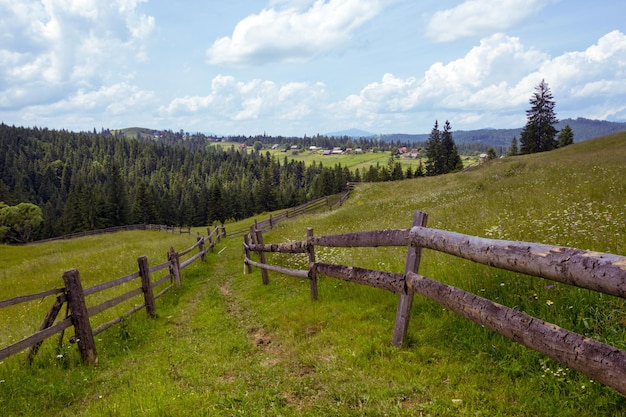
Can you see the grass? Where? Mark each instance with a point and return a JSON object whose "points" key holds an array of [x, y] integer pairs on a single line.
{"points": [[351, 160], [226, 345]]}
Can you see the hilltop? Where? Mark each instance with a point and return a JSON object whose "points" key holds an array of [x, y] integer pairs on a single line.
{"points": [[584, 129]]}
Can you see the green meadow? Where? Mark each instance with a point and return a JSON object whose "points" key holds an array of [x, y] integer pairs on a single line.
{"points": [[351, 160], [226, 345]]}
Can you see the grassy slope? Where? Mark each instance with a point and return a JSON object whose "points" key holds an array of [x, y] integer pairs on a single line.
{"points": [[226, 345], [352, 161]]}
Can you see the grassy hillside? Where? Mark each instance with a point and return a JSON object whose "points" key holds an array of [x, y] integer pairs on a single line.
{"points": [[351, 160], [226, 345]]}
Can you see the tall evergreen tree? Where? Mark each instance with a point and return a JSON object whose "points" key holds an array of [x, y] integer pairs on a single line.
{"points": [[450, 154], [441, 152], [143, 209], [116, 202], [513, 149], [566, 136], [434, 164], [539, 133]]}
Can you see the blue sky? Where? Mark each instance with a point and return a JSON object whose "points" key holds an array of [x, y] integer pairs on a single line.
{"points": [[296, 67]]}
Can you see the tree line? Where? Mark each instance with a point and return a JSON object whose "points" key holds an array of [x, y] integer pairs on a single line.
{"points": [[87, 180]]}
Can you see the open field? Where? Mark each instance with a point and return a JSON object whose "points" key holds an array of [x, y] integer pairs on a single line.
{"points": [[351, 160], [224, 344]]}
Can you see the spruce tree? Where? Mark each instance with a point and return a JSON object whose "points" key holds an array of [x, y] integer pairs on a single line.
{"points": [[513, 149], [566, 136], [450, 154], [539, 133], [441, 152], [433, 152]]}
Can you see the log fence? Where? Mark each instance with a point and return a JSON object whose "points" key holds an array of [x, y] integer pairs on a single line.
{"points": [[317, 205], [601, 272], [158, 227], [78, 313]]}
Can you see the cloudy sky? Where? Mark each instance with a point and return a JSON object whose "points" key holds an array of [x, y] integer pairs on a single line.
{"points": [[296, 67]]}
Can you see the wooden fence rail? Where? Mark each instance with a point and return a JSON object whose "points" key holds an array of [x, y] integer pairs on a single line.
{"points": [[79, 313], [158, 227], [318, 204], [601, 272]]}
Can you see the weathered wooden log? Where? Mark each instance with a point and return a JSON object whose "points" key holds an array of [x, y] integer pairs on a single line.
{"points": [[174, 261], [300, 273], [312, 272], [31, 297], [259, 240], [112, 302], [403, 315], [146, 286], [603, 272], [83, 334], [391, 281], [47, 322], [7, 351], [288, 247], [602, 362], [246, 251], [116, 320], [365, 239], [110, 284]]}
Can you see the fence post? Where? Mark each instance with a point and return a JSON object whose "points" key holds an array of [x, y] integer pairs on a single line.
{"points": [[146, 286], [412, 264], [259, 240], [223, 231], [83, 334], [312, 272], [172, 257], [246, 245], [200, 240]]}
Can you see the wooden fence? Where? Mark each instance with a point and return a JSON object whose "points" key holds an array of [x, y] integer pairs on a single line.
{"points": [[165, 228], [78, 313], [320, 204], [602, 272]]}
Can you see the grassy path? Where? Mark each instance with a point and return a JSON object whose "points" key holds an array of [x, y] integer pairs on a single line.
{"points": [[225, 345]]}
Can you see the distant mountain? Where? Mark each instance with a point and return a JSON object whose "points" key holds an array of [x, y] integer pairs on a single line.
{"points": [[583, 129], [353, 133]]}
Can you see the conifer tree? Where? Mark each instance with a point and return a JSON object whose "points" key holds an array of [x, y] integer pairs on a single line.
{"points": [[441, 151], [450, 154], [566, 136], [539, 133], [433, 146], [513, 149]]}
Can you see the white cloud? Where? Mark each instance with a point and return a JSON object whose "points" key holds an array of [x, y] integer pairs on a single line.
{"points": [[53, 48], [291, 34], [480, 17], [241, 101], [493, 82]]}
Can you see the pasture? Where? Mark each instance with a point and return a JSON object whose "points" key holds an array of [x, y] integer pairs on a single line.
{"points": [[224, 344]]}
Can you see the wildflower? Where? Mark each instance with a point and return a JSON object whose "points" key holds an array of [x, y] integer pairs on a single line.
{"points": [[502, 284], [549, 287], [549, 302], [60, 356]]}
